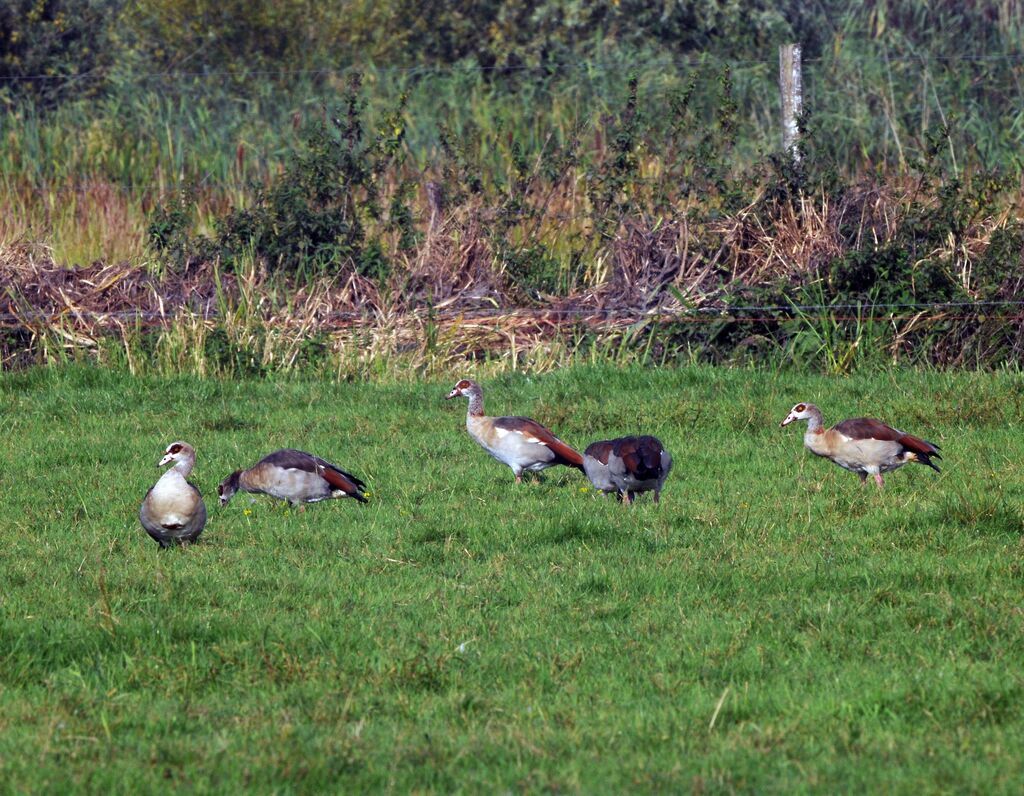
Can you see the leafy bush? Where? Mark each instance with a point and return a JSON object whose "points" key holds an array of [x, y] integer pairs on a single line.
{"points": [[1001, 260], [170, 232], [917, 265], [315, 214], [51, 50]]}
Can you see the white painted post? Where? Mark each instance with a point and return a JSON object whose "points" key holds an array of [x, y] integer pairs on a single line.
{"points": [[792, 90]]}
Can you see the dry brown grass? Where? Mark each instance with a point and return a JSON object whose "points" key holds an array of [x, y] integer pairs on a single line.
{"points": [[447, 301], [80, 222]]}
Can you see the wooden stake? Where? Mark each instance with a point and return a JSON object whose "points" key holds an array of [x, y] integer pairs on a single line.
{"points": [[792, 90]]}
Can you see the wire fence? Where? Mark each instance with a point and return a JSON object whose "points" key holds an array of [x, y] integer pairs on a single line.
{"points": [[466, 67]]}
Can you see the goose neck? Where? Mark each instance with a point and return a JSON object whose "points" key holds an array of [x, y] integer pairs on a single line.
{"points": [[476, 403]]}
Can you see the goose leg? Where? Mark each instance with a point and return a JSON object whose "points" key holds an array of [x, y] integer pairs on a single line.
{"points": [[863, 479], [879, 481]]}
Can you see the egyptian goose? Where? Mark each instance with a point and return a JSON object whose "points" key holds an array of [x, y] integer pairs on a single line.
{"points": [[173, 511], [295, 476], [519, 442], [627, 466], [862, 445]]}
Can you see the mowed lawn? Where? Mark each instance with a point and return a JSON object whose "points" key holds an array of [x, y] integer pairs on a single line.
{"points": [[771, 626]]}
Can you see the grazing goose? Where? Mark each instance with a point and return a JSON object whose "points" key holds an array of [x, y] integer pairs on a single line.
{"points": [[295, 476], [627, 466], [173, 511], [862, 445], [519, 442]]}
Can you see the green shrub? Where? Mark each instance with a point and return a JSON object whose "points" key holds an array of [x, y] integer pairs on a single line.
{"points": [[316, 213], [52, 50]]}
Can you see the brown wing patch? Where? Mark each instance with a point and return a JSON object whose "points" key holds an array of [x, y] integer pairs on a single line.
{"points": [[922, 450], [599, 450], [918, 445], [867, 428], [337, 479], [290, 459], [640, 455], [346, 473], [531, 428]]}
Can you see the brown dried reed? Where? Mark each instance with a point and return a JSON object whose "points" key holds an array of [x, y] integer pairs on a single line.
{"points": [[449, 301]]}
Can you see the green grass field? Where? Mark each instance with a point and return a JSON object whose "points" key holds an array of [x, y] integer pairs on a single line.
{"points": [[772, 626]]}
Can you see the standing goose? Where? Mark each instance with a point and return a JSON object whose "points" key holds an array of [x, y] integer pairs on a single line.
{"points": [[862, 445], [295, 476], [173, 511], [628, 466], [519, 442]]}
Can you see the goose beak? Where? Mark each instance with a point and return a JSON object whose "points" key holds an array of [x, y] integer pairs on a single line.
{"points": [[452, 394], [787, 421], [164, 460]]}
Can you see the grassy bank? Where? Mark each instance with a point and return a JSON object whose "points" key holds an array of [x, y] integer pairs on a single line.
{"points": [[771, 626]]}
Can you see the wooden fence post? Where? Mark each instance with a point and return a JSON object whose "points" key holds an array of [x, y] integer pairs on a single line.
{"points": [[435, 200], [792, 90]]}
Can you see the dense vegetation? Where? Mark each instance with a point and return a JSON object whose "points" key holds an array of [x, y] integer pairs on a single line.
{"points": [[576, 156], [771, 626]]}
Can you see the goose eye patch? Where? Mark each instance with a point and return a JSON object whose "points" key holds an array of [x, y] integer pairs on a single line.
{"points": [[800, 407], [174, 449]]}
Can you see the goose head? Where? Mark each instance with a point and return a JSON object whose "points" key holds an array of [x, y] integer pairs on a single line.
{"points": [[182, 454], [466, 388], [227, 488], [801, 411]]}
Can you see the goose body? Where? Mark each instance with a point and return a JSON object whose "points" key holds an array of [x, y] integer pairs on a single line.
{"points": [[862, 445], [524, 445], [173, 511], [628, 466], [295, 476]]}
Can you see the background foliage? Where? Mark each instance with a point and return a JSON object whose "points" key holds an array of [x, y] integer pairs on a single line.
{"points": [[481, 155], [53, 36]]}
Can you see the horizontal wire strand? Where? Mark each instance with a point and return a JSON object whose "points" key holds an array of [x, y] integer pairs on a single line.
{"points": [[702, 60]]}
